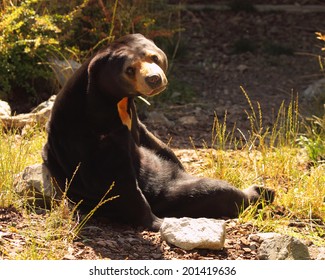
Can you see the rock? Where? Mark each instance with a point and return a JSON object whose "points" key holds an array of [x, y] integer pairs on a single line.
{"points": [[35, 183], [188, 120], [159, 118], [312, 100], [198, 111], [175, 94], [63, 69], [21, 120], [5, 110], [321, 254], [276, 246], [39, 115], [242, 68], [317, 253], [48, 104], [189, 233]]}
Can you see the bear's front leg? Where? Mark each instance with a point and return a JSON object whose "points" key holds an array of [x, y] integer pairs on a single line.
{"points": [[114, 159]]}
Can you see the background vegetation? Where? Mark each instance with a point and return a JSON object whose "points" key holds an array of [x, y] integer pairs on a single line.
{"points": [[34, 32]]}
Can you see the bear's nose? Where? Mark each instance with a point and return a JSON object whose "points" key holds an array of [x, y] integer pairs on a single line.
{"points": [[153, 80]]}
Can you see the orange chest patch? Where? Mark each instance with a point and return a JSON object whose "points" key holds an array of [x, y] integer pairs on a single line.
{"points": [[125, 116]]}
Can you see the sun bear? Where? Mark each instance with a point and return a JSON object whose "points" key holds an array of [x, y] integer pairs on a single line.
{"points": [[95, 139]]}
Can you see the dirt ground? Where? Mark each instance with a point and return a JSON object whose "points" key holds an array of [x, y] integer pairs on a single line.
{"points": [[272, 55]]}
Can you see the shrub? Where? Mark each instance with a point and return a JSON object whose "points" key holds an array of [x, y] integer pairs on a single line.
{"points": [[27, 36], [103, 20]]}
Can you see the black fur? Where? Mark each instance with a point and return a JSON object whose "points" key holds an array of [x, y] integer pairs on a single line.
{"points": [[87, 138]]}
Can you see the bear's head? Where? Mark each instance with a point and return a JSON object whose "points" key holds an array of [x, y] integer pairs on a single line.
{"points": [[130, 66]]}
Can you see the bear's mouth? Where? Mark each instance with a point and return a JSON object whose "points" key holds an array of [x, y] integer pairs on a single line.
{"points": [[153, 92], [156, 91]]}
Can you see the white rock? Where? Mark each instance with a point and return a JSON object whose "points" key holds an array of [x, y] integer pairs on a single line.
{"points": [[48, 104], [39, 115], [189, 233], [5, 110], [321, 254]]}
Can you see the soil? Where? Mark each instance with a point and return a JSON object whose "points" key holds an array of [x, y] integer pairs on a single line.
{"points": [[101, 240], [273, 56]]}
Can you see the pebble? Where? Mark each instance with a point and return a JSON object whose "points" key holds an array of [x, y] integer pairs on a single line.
{"points": [[188, 120]]}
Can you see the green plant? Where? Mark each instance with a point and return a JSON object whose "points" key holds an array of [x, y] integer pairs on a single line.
{"points": [[221, 136], [32, 32], [48, 234], [17, 152], [270, 156], [24, 38], [101, 21], [285, 128], [313, 140], [29, 36]]}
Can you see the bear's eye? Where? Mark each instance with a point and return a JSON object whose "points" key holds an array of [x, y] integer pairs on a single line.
{"points": [[130, 71], [155, 58]]}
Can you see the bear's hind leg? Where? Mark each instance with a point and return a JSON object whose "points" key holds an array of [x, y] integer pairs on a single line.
{"points": [[203, 197], [259, 194]]}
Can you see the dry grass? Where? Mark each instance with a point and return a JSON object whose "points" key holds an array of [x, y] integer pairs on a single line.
{"points": [[17, 150], [276, 157], [45, 236], [269, 156]]}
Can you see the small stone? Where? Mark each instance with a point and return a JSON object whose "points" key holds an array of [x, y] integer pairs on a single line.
{"points": [[101, 243], [176, 94], [242, 68], [246, 250], [159, 118], [188, 120], [157, 256], [244, 241], [254, 237]]}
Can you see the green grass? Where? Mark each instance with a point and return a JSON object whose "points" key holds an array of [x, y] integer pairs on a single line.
{"points": [[277, 158], [45, 236], [272, 156], [17, 150]]}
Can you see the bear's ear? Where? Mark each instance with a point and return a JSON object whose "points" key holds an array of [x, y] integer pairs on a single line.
{"points": [[94, 67], [165, 62]]}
